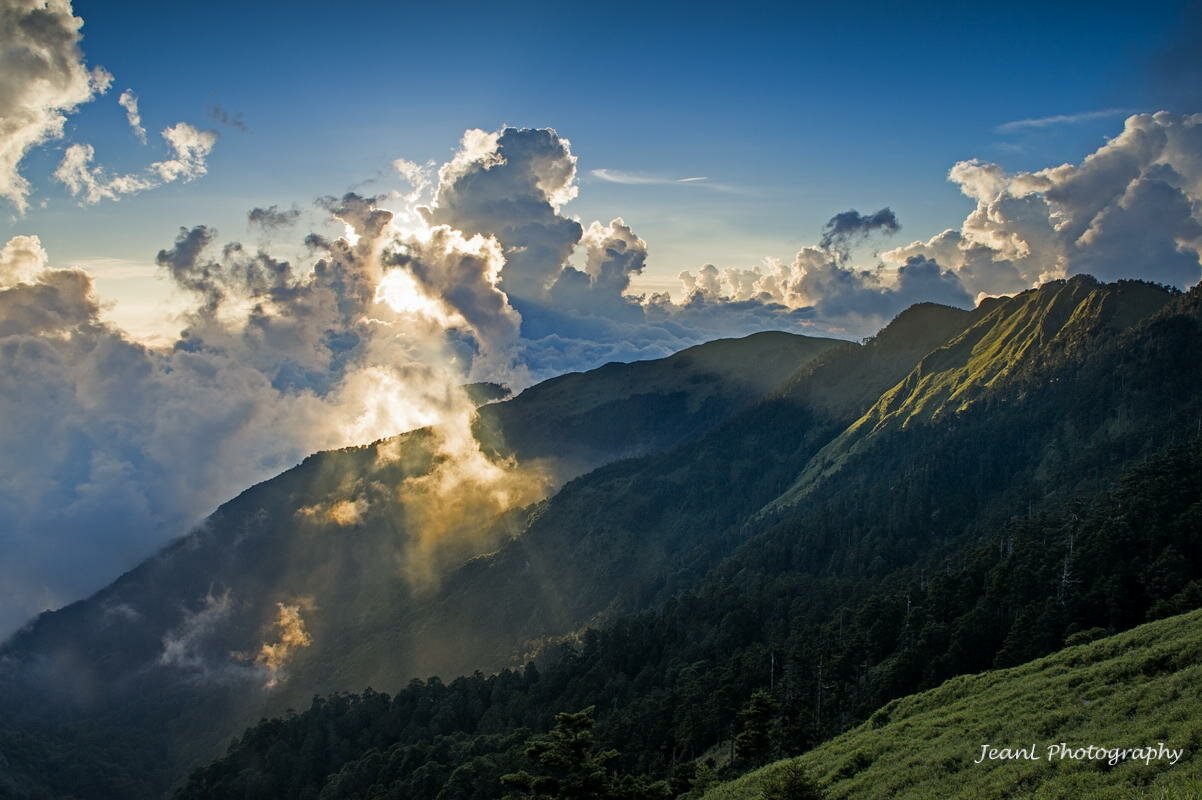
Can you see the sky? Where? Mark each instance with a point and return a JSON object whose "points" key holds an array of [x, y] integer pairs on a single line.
{"points": [[794, 111], [234, 234]]}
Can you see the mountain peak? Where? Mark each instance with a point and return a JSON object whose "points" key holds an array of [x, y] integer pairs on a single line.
{"points": [[1008, 336]]}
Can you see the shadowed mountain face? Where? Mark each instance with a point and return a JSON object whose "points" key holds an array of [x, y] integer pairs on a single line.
{"points": [[732, 462], [320, 559]]}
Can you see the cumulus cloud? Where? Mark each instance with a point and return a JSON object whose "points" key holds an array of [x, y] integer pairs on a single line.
{"points": [[21, 259], [111, 447], [1128, 210], [91, 183], [129, 101], [43, 78], [510, 185]]}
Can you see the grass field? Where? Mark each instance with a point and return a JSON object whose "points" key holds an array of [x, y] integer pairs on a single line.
{"points": [[1135, 689]]}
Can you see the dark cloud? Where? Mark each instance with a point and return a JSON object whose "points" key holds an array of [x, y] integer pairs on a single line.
{"points": [[273, 217], [225, 117], [848, 227]]}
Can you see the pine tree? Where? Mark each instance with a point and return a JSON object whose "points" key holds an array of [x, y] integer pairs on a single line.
{"points": [[756, 742], [567, 760]]}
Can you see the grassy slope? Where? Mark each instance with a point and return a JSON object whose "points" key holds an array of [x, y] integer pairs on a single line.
{"points": [[1007, 335], [1131, 690]]}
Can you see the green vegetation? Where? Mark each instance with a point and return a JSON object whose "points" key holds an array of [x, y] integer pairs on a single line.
{"points": [[746, 666], [1136, 689]]}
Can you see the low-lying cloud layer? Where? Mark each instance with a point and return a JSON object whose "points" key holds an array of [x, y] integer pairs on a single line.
{"points": [[112, 447]]}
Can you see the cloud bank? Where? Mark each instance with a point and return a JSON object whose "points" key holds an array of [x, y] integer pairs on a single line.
{"points": [[112, 447], [1130, 209]]}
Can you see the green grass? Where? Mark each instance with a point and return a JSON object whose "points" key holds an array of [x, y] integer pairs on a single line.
{"points": [[1008, 334], [1138, 688]]}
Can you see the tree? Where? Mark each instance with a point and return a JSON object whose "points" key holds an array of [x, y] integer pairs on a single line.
{"points": [[792, 782], [568, 763], [757, 741]]}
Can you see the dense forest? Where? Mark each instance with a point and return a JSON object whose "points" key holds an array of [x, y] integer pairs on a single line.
{"points": [[761, 668]]}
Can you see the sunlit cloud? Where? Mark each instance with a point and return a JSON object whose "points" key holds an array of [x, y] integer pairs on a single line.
{"points": [[43, 78], [129, 101]]}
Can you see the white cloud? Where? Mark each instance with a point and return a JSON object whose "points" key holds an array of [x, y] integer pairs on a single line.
{"points": [[1061, 119], [43, 78], [641, 179], [21, 259], [129, 101], [1128, 210], [91, 183]]}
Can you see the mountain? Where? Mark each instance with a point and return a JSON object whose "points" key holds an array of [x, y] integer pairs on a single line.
{"points": [[1006, 341], [871, 521], [1139, 689], [673, 688], [189, 635], [580, 421]]}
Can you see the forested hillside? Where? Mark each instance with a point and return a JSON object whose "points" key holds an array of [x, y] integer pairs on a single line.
{"points": [[800, 658]]}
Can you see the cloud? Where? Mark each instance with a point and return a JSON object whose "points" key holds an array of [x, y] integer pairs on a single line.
{"points": [[129, 101], [510, 185], [1056, 120], [187, 646], [273, 217], [91, 183], [111, 447], [292, 636], [224, 117], [21, 259], [190, 148], [43, 78], [1128, 210], [848, 227], [640, 179], [830, 297]]}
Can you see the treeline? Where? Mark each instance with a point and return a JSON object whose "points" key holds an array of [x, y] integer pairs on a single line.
{"points": [[760, 666]]}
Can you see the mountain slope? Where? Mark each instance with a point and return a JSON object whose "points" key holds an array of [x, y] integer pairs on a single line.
{"points": [[1134, 690], [319, 556], [580, 421], [1008, 340], [668, 686]]}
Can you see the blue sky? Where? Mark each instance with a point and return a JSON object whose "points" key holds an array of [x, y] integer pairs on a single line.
{"points": [[801, 110]]}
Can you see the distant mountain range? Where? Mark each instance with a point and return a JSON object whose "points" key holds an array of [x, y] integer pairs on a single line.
{"points": [[831, 524]]}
